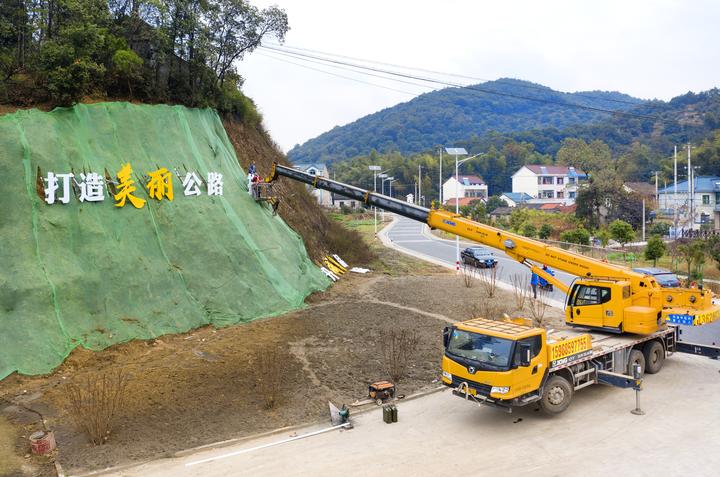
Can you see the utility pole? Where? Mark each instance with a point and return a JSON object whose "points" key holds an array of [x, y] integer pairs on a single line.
{"points": [[675, 196], [375, 169], [643, 219], [690, 190], [440, 180], [419, 183]]}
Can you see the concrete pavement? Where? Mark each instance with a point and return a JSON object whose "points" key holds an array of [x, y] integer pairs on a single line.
{"points": [[441, 434]]}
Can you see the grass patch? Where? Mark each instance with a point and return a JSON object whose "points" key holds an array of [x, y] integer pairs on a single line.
{"points": [[385, 260]]}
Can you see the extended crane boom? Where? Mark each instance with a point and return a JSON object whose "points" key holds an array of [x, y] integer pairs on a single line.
{"points": [[606, 296]]}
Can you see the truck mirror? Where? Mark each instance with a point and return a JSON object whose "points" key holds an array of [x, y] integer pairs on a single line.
{"points": [[446, 336], [525, 354]]}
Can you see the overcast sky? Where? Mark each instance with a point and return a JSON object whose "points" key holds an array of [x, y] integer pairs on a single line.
{"points": [[648, 49]]}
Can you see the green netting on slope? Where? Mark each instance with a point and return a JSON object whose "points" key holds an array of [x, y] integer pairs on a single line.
{"points": [[93, 274]]}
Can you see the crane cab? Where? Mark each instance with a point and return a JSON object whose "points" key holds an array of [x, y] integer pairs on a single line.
{"points": [[608, 305]]}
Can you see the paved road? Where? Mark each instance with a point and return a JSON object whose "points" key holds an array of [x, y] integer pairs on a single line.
{"points": [[415, 237], [441, 434]]}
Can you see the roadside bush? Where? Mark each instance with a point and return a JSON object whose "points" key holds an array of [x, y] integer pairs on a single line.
{"points": [[579, 236], [268, 366], [94, 404], [545, 231], [529, 230], [398, 348]]}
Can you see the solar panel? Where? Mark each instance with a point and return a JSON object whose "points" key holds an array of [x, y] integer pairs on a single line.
{"points": [[456, 151]]}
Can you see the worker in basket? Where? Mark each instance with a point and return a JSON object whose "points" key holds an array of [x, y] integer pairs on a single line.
{"points": [[544, 284]]}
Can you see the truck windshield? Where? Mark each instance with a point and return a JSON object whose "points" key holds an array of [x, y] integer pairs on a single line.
{"points": [[481, 348]]}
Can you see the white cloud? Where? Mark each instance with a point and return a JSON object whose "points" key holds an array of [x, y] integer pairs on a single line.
{"points": [[649, 49]]}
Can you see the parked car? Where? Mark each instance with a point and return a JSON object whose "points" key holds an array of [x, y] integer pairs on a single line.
{"points": [[665, 278], [478, 257]]}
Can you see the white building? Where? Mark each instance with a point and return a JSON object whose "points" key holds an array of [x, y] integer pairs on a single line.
{"points": [[548, 184], [323, 197], [468, 186], [705, 202]]}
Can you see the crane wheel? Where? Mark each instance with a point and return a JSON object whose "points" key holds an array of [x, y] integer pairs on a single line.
{"points": [[636, 357], [556, 395], [654, 354]]}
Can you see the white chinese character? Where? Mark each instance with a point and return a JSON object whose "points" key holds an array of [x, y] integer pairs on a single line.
{"points": [[91, 187], [52, 186], [215, 183], [191, 183]]}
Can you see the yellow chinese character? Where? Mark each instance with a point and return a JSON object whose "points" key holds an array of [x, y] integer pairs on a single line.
{"points": [[160, 184], [127, 188]]}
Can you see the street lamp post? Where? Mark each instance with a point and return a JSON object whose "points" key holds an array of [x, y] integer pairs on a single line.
{"points": [[375, 169], [382, 191], [458, 151], [391, 183]]}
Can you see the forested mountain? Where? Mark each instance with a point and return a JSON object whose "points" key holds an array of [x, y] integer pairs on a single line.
{"points": [[455, 114], [632, 148]]}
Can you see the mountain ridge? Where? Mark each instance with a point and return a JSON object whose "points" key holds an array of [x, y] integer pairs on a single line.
{"points": [[454, 114]]}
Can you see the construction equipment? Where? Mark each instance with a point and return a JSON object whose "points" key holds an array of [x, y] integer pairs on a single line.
{"points": [[381, 391], [511, 363], [604, 296]]}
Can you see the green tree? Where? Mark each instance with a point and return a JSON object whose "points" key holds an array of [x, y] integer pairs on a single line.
{"points": [[579, 235], [655, 249], [603, 236], [546, 231], [659, 228], [693, 253], [622, 232], [127, 66], [529, 230], [494, 202]]}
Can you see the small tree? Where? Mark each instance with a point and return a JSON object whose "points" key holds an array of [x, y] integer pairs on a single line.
{"points": [[579, 236], [529, 230], [622, 232], [655, 249], [127, 66], [545, 231], [603, 236], [693, 252]]}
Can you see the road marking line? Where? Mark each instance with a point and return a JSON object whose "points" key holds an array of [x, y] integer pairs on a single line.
{"points": [[243, 451]]}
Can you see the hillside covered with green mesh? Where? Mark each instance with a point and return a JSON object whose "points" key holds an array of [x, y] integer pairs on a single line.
{"points": [[92, 274]]}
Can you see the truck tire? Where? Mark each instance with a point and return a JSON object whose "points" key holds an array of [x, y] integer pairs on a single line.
{"points": [[556, 395], [654, 354], [636, 356]]}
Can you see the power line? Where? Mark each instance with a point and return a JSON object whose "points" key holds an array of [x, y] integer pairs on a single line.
{"points": [[473, 88], [290, 55], [454, 75], [337, 75]]}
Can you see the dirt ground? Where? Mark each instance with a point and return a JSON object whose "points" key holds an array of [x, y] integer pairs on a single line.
{"points": [[192, 389]]}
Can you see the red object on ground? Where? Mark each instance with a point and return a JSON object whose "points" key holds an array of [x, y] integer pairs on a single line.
{"points": [[42, 442]]}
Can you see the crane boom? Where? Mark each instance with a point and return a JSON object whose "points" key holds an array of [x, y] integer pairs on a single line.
{"points": [[607, 296]]}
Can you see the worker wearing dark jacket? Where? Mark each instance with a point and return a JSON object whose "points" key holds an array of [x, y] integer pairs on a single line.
{"points": [[534, 280]]}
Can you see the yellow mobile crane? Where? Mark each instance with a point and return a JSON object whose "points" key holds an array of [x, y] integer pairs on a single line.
{"points": [[511, 363]]}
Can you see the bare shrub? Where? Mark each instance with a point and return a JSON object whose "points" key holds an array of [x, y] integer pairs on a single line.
{"points": [[490, 310], [94, 404], [539, 306], [398, 348], [468, 276], [488, 280], [268, 365], [521, 290]]}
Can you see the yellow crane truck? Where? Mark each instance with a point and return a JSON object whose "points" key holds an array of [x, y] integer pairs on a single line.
{"points": [[618, 318]]}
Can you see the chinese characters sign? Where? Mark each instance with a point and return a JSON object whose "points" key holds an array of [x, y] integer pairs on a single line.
{"points": [[91, 187]]}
